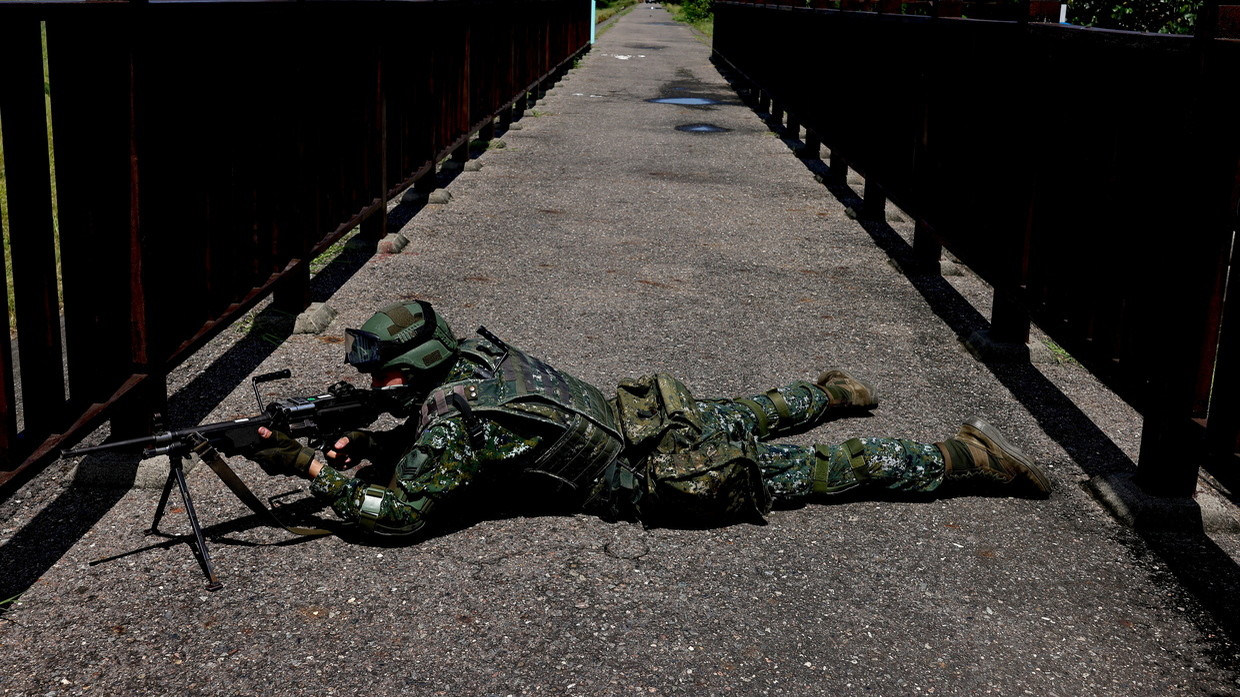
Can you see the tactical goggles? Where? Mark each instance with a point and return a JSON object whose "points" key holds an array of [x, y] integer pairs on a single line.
{"points": [[367, 352], [364, 350]]}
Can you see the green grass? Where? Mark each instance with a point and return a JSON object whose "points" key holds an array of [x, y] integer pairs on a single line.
{"points": [[5, 226], [607, 10], [1058, 353], [336, 249], [266, 325], [703, 25], [8, 603]]}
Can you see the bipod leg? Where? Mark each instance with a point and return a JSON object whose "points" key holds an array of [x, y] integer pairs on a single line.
{"points": [[163, 503], [176, 472]]}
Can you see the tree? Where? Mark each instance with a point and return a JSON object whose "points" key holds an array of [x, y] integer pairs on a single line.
{"points": [[1162, 16]]}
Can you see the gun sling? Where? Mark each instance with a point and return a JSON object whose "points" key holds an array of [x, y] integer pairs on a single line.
{"points": [[209, 455]]}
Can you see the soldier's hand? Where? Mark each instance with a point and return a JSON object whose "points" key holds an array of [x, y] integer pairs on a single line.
{"points": [[280, 453], [350, 449]]}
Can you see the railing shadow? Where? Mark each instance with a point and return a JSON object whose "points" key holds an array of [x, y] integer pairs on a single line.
{"points": [[1196, 561], [37, 546], [33, 549]]}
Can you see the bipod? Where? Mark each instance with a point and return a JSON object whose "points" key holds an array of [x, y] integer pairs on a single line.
{"points": [[176, 473], [200, 446]]}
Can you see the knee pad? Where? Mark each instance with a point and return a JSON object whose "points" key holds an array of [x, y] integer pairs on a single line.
{"points": [[840, 467]]}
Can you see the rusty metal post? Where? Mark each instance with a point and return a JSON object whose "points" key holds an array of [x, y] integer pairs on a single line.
{"points": [[1223, 417], [874, 201], [813, 146], [838, 172], [92, 172], [1009, 317], [1173, 446], [374, 226], [792, 128], [151, 396], [461, 154], [305, 220], [8, 397], [1009, 321], [927, 251], [1169, 459], [1172, 442]]}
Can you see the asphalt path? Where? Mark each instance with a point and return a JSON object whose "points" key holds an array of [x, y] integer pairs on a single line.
{"points": [[606, 241]]}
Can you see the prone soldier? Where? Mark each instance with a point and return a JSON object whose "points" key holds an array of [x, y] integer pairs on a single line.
{"points": [[482, 413]]}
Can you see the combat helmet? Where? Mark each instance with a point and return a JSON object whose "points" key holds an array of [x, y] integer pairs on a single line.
{"points": [[409, 336]]}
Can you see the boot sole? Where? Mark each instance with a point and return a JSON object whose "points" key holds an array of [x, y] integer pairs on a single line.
{"points": [[1034, 474], [823, 377]]}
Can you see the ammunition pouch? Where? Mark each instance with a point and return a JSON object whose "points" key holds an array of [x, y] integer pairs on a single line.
{"points": [[686, 479]]}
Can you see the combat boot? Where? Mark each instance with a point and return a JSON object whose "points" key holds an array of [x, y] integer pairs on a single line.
{"points": [[846, 391], [980, 452]]}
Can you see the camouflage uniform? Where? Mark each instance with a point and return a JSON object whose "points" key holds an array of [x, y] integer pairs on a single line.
{"points": [[653, 452]]}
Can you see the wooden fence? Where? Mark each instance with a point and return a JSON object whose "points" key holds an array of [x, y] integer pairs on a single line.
{"points": [[1091, 177], [205, 153]]}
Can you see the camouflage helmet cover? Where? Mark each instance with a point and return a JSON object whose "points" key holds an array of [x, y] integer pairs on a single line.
{"points": [[409, 336]]}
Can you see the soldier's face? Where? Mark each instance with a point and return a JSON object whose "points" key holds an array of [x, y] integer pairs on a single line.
{"points": [[387, 378]]}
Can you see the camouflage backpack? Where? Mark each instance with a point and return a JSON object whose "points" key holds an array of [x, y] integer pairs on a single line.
{"points": [[686, 477]]}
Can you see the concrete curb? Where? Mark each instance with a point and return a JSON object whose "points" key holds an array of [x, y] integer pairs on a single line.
{"points": [[393, 243], [314, 320], [1139, 510], [985, 348]]}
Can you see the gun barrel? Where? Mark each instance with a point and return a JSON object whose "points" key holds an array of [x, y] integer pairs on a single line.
{"points": [[114, 445]]}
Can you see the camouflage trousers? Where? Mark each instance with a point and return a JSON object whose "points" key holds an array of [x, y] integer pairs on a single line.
{"points": [[710, 461], [788, 471]]}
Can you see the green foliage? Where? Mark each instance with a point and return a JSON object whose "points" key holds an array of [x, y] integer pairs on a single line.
{"points": [[1160, 16], [337, 249], [606, 9], [1058, 353], [699, 14], [6, 259], [692, 11]]}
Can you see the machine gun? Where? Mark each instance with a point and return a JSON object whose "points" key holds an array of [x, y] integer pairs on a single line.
{"points": [[342, 408]]}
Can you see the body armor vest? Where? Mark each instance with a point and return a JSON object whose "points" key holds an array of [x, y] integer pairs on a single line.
{"points": [[581, 433]]}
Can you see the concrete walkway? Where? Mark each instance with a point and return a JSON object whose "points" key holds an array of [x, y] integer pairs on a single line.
{"points": [[605, 240]]}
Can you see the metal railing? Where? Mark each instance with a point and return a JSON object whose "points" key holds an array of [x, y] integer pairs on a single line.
{"points": [[1091, 177], [205, 153]]}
